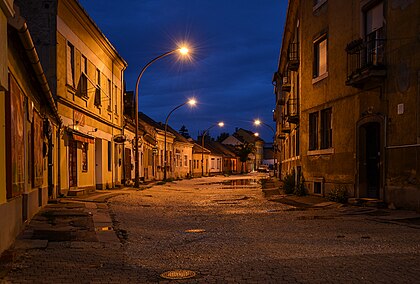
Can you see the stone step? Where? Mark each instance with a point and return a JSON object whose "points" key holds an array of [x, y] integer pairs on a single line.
{"points": [[368, 202], [76, 192]]}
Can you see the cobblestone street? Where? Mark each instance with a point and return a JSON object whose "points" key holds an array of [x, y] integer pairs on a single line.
{"points": [[229, 232]]}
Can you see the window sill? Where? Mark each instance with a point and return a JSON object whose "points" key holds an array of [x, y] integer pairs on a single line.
{"points": [[328, 151], [317, 6], [319, 78], [71, 88]]}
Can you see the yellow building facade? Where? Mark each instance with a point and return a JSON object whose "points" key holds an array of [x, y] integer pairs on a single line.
{"points": [[86, 75], [347, 98], [30, 124]]}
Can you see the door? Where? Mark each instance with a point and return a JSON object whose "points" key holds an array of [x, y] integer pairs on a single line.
{"points": [[72, 164], [369, 160], [98, 163], [127, 164]]}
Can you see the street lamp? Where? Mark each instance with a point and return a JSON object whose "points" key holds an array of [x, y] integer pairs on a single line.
{"points": [[258, 122], [191, 102], [220, 124], [182, 51]]}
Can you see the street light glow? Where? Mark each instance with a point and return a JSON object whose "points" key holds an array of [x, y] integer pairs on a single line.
{"points": [[257, 122], [221, 124], [192, 102], [256, 134], [184, 50]]}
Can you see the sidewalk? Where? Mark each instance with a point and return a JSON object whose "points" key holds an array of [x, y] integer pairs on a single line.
{"points": [[374, 211], [71, 222]]}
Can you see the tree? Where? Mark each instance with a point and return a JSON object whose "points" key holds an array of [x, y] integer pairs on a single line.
{"points": [[184, 132], [243, 150], [222, 136]]}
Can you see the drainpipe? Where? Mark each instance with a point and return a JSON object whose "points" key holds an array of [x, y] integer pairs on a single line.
{"points": [[58, 160], [19, 23]]}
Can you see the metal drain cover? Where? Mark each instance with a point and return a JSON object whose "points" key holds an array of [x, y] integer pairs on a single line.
{"points": [[178, 274], [195, 231]]}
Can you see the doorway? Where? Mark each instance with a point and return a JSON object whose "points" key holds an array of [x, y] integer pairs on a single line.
{"points": [[72, 163], [127, 164], [369, 163], [98, 163]]}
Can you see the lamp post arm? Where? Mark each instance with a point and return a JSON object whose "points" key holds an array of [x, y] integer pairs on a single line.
{"points": [[150, 63], [269, 126], [167, 118], [202, 148], [164, 146], [136, 107]]}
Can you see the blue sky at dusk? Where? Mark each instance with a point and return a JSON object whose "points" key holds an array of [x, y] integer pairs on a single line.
{"points": [[235, 48]]}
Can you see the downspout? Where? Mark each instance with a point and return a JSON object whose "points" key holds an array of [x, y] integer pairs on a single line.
{"points": [[19, 23]]}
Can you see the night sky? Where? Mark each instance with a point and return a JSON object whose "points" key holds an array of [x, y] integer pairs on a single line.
{"points": [[235, 45]]}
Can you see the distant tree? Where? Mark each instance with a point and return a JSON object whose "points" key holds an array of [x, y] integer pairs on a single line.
{"points": [[184, 132], [222, 136], [243, 151]]}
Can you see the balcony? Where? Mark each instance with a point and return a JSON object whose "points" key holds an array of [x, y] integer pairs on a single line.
{"points": [[281, 136], [285, 126], [292, 111], [366, 61], [286, 84], [293, 56]]}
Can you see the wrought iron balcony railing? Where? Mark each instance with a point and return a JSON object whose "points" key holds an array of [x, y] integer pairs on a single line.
{"points": [[365, 59]]}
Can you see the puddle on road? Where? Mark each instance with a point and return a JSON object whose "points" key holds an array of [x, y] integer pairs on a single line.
{"points": [[236, 183]]}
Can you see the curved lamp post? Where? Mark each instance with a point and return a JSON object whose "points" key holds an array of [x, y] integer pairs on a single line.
{"points": [[220, 124], [192, 103], [183, 51], [258, 122]]}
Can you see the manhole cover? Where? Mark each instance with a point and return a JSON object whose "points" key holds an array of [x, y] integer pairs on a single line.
{"points": [[195, 231], [106, 228], [178, 274]]}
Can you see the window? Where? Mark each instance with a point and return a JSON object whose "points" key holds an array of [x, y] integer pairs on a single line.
{"points": [[116, 99], [185, 161], [326, 128], [313, 131], [98, 88], [318, 3], [84, 157], [83, 77], [109, 94], [374, 21], [178, 161], [70, 64], [320, 57], [109, 156]]}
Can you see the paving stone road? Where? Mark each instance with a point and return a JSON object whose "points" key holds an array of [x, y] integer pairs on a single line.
{"points": [[230, 232]]}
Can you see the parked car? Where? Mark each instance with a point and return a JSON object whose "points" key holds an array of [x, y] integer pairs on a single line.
{"points": [[263, 169]]}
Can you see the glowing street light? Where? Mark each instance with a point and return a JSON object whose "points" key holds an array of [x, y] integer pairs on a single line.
{"points": [[184, 52], [220, 124], [258, 122], [192, 102]]}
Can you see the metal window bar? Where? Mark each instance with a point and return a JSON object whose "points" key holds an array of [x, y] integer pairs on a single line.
{"points": [[366, 54]]}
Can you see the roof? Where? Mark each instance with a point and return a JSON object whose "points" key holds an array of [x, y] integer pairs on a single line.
{"points": [[100, 32], [198, 149], [219, 148], [247, 136]]}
